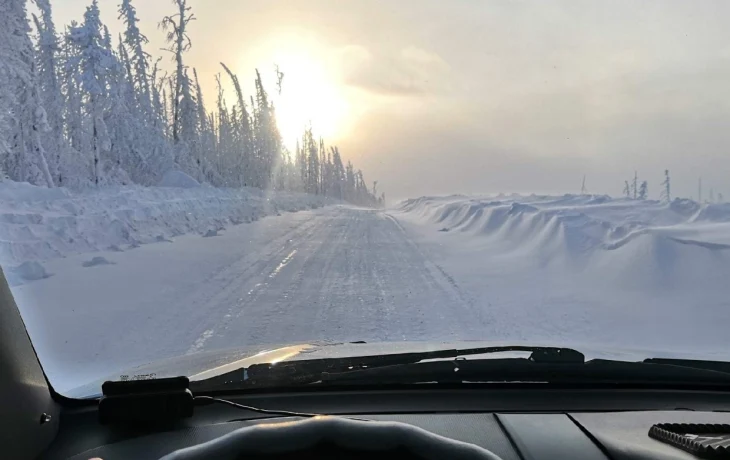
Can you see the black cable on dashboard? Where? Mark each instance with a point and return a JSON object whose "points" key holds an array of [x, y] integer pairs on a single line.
{"points": [[256, 409], [286, 413]]}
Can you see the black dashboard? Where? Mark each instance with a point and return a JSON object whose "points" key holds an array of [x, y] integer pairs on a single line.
{"points": [[515, 424]]}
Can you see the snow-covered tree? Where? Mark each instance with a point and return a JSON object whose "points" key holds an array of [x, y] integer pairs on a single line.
{"points": [[635, 185], [309, 146], [240, 127], [22, 108], [666, 194], [627, 189], [644, 190], [176, 27], [139, 59], [10, 65], [47, 57], [95, 66], [76, 110], [338, 174], [266, 138]]}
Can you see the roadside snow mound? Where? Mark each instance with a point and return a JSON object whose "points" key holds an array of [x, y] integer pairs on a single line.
{"points": [[210, 233], [37, 223], [97, 261], [23, 191], [178, 179], [27, 271], [633, 241]]}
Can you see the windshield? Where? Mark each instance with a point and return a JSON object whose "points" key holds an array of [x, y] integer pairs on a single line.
{"points": [[188, 183]]}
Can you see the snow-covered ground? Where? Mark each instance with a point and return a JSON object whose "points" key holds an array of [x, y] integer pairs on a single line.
{"points": [[38, 223], [334, 274], [118, 278], [613, 272]]}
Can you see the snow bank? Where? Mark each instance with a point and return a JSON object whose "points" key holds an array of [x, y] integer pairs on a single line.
{"points": [[27, 271], [626, 241], [178, 179], [97, 261], [39, 224], [614, 273]]}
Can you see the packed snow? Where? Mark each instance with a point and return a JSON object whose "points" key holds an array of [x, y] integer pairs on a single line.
{"points": [[112, 279]]}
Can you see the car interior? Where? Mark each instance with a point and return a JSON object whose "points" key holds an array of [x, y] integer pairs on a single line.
{"points": [[159, 418]]}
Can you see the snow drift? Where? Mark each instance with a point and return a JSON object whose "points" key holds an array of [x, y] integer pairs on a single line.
{"points": [[626, 241], [38, 223]]}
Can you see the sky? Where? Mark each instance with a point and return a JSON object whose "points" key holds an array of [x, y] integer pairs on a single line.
{"points": [[480, 96]]}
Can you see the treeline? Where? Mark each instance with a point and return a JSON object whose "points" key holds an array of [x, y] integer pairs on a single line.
{"points": [[639, 190], [81, 108]]}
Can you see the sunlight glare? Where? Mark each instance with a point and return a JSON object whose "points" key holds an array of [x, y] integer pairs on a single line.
{"points": [[310, 92]]}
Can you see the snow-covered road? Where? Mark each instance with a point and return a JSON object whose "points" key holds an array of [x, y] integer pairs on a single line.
{"points": [[348, 274], [513, 273], [334, 274]]}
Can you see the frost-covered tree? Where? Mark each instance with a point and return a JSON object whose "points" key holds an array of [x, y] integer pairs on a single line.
{"points": [[309, 146], [627, 189], [10, 65], [338, 174], [644, 190], [242, 132], [77, 110], [635, 185], [206, 136], [350, 183], [176, 27], [47, 57], [266, 138], [184, 107], [139, 59], [666, 187], [224, 141], [94, 66], [23, 112]]}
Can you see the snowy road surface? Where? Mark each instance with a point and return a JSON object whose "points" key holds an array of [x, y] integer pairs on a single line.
{"points": [[335, 274]]}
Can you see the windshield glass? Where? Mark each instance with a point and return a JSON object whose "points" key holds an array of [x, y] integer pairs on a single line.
{"points": [[192, 184]]}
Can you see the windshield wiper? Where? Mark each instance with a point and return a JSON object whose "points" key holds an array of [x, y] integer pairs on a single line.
{"points": [[299, 372], [721, 366], [594, 372], [544, 365]]}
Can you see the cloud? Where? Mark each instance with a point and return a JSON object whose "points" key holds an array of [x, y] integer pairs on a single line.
{"points": [[405, 72]]}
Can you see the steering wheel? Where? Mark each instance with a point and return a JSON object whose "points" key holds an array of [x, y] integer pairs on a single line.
{"points": [[332, 437]]}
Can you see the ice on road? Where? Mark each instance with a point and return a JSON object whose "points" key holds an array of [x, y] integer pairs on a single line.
{"points": [[334, 274]]}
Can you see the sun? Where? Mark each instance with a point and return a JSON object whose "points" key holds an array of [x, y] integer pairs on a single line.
{"points": [[310, 92], [308, 96]]}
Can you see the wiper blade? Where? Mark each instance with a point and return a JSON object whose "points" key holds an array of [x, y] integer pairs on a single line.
{"points": [[720, 366], [594, 372], [291, 373]]}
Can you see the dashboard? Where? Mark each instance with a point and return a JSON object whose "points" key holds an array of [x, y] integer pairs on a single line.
{"points": [[514, 424]]}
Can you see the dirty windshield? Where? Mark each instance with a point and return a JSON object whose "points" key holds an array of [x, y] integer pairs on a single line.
{"points": [[191, 183]]}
